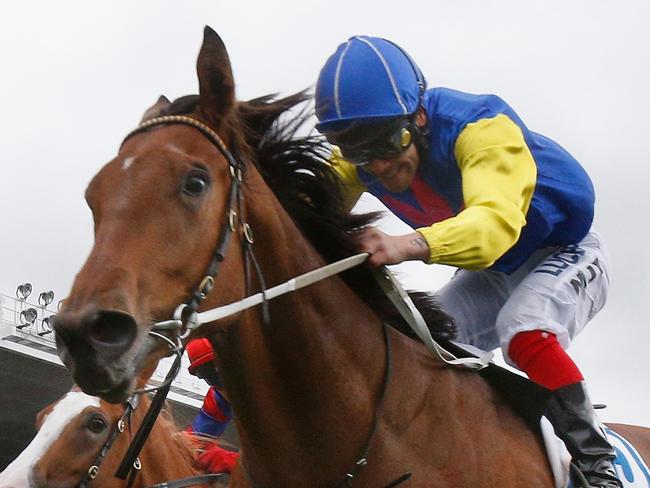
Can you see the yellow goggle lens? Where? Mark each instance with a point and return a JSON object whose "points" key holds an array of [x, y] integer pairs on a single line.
{"points": [[406, 138]]}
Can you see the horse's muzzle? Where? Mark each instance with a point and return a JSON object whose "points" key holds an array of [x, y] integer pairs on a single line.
{"points": [[96, 346]]}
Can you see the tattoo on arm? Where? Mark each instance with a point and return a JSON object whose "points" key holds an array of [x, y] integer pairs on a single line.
{"points": [[420, 242], [420, 248]]}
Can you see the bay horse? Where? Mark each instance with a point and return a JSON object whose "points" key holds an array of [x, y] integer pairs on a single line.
{"points": [[76, 428], [324, 394]]}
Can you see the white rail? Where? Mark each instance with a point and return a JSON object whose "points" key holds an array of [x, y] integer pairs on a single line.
{"points": [[37, 340], [38, 330]]}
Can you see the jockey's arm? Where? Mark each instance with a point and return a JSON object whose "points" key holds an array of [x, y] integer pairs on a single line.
{"points": [[498, 179], [384, 249]]}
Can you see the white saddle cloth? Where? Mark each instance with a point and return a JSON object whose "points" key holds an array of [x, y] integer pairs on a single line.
{"points": [[631, 469]]}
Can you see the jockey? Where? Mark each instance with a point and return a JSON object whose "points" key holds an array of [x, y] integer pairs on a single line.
{"points": [[215, 414], [507, 206]]}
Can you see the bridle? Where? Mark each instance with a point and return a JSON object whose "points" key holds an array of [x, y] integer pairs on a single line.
{"points": [[235, 212], [187, 310], [120, 426]]}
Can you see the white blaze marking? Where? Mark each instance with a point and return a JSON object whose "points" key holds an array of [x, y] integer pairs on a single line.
{"points": [[17, 473], [128, 162]]}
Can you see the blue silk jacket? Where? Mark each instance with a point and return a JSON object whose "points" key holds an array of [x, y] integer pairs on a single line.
{"points": [[214, 415], [490, 191]]}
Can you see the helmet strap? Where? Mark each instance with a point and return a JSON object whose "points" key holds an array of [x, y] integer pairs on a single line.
{"points": [[420, 133]]}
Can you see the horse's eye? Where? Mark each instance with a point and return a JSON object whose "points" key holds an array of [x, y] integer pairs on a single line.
{"points": [[97, 424], [196, 183]]}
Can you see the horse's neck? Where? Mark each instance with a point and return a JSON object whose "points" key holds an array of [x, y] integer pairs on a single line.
{"points": [[324, 314], [305, 387], [311, 376]]}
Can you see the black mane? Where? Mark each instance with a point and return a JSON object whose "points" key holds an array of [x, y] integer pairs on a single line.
{"points": [[296, 169]]}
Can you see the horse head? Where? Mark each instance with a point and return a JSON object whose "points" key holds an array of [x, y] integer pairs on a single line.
{"points": [[73, 430], [160, 207], [81, 439]]}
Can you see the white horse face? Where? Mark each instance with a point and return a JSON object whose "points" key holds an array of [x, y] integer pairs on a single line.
{"points": [[19, 473]]}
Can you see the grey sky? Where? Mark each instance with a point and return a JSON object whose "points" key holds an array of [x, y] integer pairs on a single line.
{"points": [[77, 75]]}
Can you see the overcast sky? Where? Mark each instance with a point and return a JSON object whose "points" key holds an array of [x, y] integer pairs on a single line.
{"points": [[77, 75]]}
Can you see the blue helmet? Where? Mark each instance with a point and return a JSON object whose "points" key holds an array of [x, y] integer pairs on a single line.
{"points": [[367, 79]]}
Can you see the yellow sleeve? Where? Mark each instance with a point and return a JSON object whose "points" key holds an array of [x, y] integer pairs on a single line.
{"points": [[498, 179], [352, 186]]}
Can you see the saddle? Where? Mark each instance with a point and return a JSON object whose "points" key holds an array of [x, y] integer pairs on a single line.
{"points": [[526, 398]]}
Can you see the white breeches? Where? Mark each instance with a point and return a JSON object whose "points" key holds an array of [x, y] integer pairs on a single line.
{"points": [[558, 289]]}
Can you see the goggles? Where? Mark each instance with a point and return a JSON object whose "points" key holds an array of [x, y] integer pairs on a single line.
{"points": [[362, 144]]}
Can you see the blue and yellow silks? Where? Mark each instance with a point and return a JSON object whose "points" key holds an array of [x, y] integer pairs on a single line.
{"points": [[489, 192]]}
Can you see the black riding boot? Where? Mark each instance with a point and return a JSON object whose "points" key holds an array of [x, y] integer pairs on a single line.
{"points": [[572, 414]]}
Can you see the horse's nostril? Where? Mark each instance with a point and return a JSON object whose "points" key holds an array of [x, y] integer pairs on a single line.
{"points": [[109, 328]]}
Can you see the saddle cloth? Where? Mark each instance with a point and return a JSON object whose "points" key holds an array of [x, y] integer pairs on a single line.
{"points": [[528, 400], [631, 469]]}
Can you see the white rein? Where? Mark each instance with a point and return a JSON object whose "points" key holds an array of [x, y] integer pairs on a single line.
{"points": [[386, 280]]}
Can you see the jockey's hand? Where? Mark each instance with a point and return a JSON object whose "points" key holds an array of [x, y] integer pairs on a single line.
{"points": [[216, 459], [387, 249]]}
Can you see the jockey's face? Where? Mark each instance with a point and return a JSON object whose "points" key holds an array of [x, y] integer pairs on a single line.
{"points": [[209, 374], [396, 173], [386, 150]]}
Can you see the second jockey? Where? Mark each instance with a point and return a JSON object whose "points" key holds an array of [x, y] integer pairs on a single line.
{"points": [[215, 414]]}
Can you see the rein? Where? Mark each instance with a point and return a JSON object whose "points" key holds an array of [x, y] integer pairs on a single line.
{"points": [[186, 318]]}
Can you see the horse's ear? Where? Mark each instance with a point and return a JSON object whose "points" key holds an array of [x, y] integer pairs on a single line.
{"points": [[157, 109], [41, 416], [216, 85]]}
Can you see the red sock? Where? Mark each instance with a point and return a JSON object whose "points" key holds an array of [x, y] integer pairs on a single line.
{"points": [[538, 354]]}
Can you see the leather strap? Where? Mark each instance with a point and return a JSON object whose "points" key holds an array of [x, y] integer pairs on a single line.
{"points": [[406, 308], [192, 480]]}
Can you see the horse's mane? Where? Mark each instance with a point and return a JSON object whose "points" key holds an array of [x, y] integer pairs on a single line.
{"points": [[297, 170]]}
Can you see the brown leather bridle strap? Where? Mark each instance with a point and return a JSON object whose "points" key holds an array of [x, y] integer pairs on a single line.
{"points": [[190, 481], [235, 204], [131, 404], [234, 199]]}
